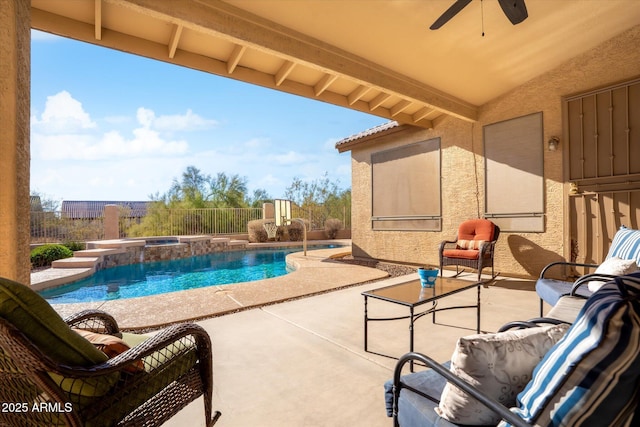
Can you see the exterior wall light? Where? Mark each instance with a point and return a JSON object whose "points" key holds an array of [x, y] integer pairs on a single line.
{"points": [[553, 143]]}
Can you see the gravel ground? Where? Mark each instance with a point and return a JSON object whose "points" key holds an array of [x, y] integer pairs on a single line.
{"points": [[394, 270]]}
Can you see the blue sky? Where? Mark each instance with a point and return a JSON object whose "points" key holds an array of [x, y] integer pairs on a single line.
{"points": [[106, 125]]}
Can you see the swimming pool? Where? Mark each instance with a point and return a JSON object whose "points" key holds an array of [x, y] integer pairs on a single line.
{"points": [[152, 278]]}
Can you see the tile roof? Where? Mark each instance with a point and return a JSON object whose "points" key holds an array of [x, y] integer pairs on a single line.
{"points": [[95, 209], [374, 130]]}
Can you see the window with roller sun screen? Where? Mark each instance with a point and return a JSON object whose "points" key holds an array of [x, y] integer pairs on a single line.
{"points": [[514, 175], [406, 193]]}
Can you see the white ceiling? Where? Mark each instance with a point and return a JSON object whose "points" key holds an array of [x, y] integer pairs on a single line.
{"points": [[377, 56]]}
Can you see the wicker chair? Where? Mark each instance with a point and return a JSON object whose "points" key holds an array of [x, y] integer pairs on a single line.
{"points": [[50, 377], [473, 246]]}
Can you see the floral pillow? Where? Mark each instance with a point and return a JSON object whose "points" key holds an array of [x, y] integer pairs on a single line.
{"points": [[500, 365]]}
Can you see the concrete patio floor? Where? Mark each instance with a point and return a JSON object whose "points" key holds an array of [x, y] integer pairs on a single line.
{"points": [[302, 363]]}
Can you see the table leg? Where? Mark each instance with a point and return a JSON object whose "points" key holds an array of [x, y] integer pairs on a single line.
{"points": [[366, 323], [478, 319], [411, 336]]}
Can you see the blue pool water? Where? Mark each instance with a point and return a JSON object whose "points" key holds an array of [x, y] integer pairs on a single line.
{"points": [[152, 278]]}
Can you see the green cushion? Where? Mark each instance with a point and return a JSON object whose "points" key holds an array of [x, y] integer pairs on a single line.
{"points": [[183, 347], [40, 323]]}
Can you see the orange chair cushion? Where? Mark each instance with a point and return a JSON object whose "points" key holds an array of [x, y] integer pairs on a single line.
{"points": [[476, 229], [461, 253], [472, 233]]}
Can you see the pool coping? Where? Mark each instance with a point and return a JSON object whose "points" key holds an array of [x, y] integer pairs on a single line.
{"points": [[315, 273]]}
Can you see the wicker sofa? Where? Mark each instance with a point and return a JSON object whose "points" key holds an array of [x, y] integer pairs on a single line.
{"points": [[93, 375], [586, 376]]}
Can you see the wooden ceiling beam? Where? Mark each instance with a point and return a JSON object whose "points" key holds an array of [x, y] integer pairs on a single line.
{"points": [[357, 94], [74, 29], [400, 107], [98, 19], [235, 57], [324, 83], [228, 22], [421, 114], [284, 71], [378, 101], [174, 40]]}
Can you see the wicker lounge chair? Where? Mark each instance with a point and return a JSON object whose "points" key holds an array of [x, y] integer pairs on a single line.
{"points": [[473, 246], [51, 375]]}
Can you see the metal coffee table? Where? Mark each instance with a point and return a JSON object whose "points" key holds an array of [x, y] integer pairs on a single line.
{"points": [[413, 295]]}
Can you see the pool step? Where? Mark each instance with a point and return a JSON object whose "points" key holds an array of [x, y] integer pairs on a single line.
{"points": [[97, 252], [82, 262], [238, 243]]}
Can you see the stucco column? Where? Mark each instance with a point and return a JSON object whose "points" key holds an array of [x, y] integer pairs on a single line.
{"points": [[268, 211], [111, 222], [15, 92]]}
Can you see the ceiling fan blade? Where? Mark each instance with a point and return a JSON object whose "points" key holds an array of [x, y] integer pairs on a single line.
{"points": [[450, 13], [515, 10]]}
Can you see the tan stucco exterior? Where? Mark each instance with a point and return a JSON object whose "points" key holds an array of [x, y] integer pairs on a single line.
{"points": [[15, 78], [463, 165]]}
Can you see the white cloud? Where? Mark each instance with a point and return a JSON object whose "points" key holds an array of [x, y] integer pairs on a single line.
{"points": [[111, 145], [330, 144], [289, 158], [127, 179], [117, 120], [189, 121], [63, 114], [66, 131], [145, 117], [257, 143], [268, 181]]}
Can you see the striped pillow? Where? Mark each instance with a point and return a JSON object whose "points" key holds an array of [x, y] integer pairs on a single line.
{"points": [[589, 378], [469, 244], [625, 245]]}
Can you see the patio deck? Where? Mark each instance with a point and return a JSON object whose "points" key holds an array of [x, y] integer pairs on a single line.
{"points": [[301, 362]]}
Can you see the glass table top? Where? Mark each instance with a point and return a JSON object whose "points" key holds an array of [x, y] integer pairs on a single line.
{"points": [[413, 294]]}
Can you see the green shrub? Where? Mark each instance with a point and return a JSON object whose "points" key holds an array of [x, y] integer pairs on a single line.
{"points": [[331, 227], [75, 246], [44, 255]]}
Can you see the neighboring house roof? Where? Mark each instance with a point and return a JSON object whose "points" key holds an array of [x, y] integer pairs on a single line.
{"points": [[347, 143], [95, 209]]}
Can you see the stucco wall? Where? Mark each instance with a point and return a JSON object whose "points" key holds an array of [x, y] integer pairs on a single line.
{"points": [[15, 79], [463, 166]]}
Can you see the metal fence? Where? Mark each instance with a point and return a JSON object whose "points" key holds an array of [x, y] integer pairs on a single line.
{"points": [[190, 222], [315, 216], [52, 227]]}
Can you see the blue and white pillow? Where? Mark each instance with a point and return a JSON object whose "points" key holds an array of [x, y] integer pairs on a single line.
{"points": [[590, 378], [625, 244]]}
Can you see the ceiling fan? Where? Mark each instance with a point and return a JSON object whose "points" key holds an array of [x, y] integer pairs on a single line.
{"points": [[515, 10]]}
